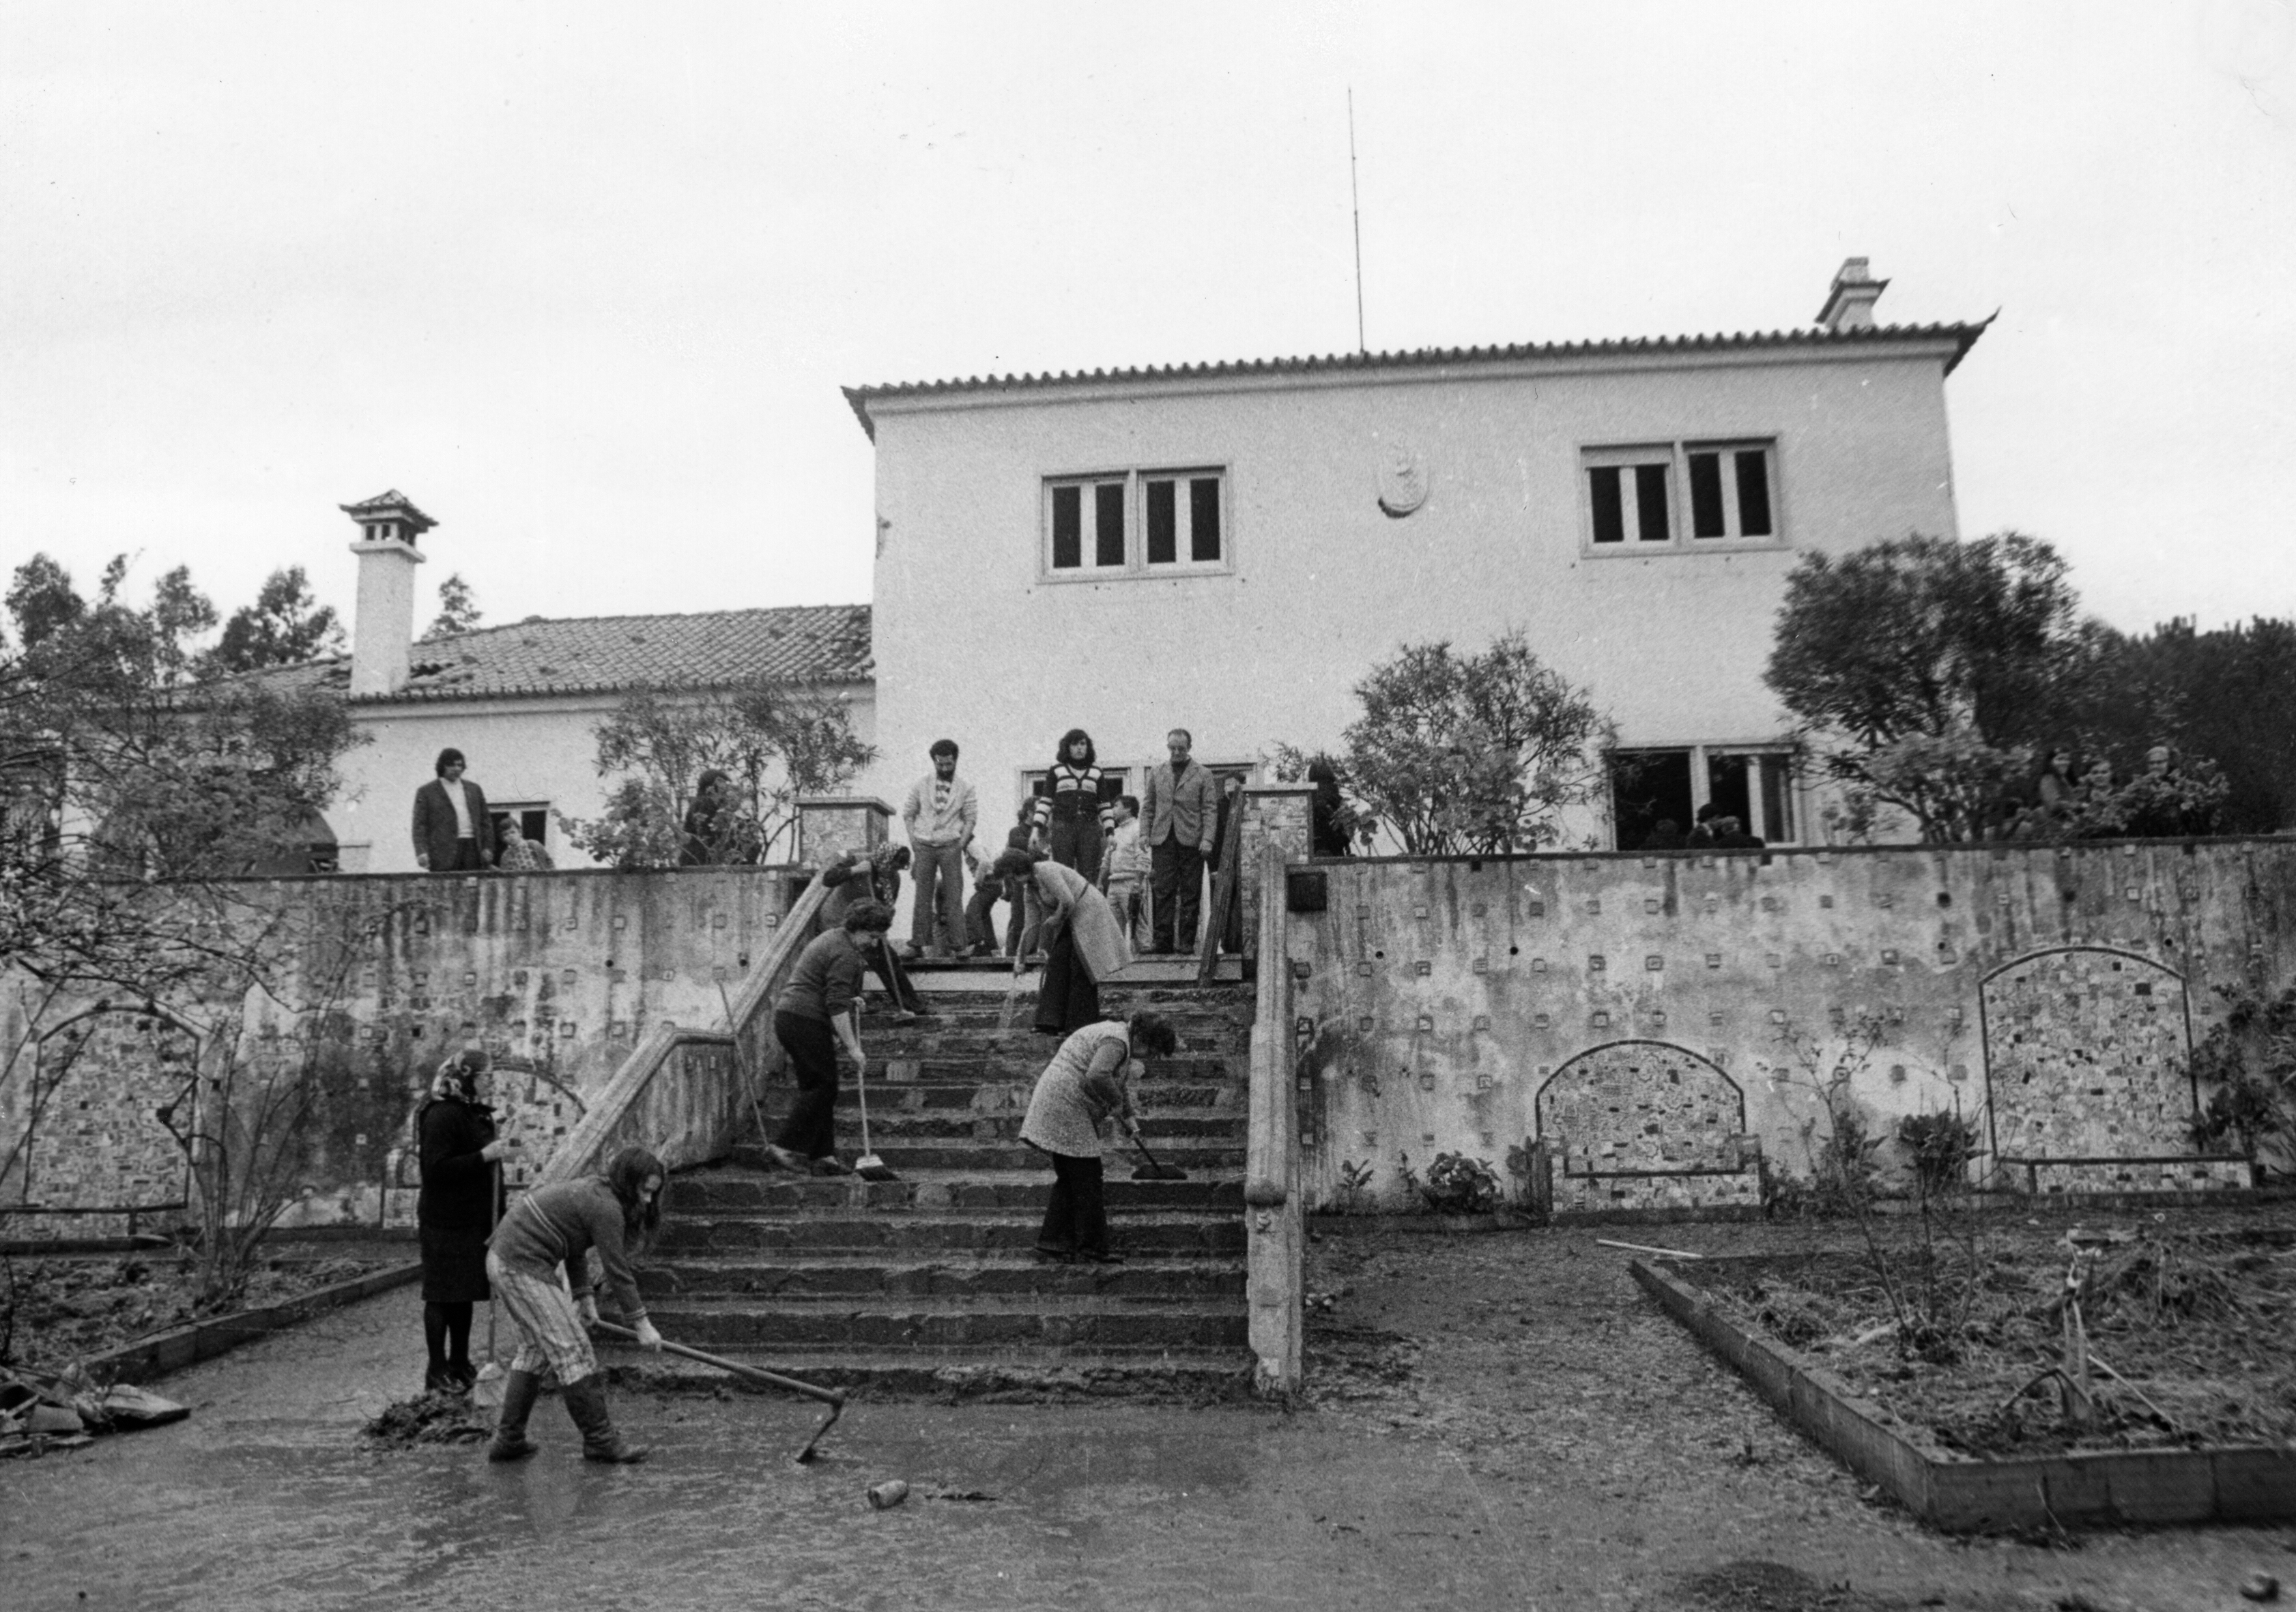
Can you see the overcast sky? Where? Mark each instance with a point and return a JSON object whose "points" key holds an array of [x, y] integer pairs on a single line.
{"points": [[583, 281]]}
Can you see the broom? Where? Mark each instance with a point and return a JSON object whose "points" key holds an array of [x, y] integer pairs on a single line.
{"points": [[868, 1166], [487, 1392]]}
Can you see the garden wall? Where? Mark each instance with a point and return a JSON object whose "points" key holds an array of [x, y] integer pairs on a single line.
{"points": [[557, 975], [1641, 1015]]}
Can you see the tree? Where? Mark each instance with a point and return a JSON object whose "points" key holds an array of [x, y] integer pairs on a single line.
{"points": [[458, 610], [775, 743], [284, 626], [1469, 754], [138, 785], [2226, 697], [1924, 671]]}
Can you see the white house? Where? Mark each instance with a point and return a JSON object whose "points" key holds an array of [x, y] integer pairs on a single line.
{"points": [[1229, 547], [520, 701]]}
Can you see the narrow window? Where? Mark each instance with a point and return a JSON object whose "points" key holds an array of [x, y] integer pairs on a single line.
{"points": [[1163, 524], [1204, 518], [1610, 515], [1068, 528], [1753, 493], [1706, 519], [1777, 799], [1108, 524], [1649, 502]]}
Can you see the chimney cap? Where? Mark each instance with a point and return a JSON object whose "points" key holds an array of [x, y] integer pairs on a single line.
{"points": [[392, 505], [1849, 302]]}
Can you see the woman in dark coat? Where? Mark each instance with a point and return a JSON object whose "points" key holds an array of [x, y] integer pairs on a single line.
{"points": [[454, 1213]]}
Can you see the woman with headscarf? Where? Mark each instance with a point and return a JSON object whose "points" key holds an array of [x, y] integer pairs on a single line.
{"points": [[1088, 1082], [1084, 944], [553, 1229], [1070, 816], [456, 1141]]}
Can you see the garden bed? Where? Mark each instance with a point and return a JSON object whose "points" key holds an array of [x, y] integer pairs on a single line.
{"points": [[2191, 1411], [79, 1309], [2194, 1322]]}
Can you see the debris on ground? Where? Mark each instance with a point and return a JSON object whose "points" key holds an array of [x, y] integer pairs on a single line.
{"points": [[42, 1411], [68, 1308], [435, 1417]]}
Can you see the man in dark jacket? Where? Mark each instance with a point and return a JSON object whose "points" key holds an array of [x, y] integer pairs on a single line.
{"points": [[453, 833]]}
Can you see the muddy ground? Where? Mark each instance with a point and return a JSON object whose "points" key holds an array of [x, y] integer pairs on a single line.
{"points": [[1500, 1420]]}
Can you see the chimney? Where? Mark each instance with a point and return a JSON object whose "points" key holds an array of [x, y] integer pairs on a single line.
{"points": [[1849, 305], [382, 630]]}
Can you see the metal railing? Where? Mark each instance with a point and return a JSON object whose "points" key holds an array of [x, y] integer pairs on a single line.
{"points": [[680, 1094], [1274, 1235]]}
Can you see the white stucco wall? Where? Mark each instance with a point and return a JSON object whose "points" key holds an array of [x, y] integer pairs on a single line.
{"points": [[971, 641], [520, 751]]}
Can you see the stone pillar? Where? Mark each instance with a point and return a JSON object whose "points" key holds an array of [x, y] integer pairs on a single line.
{"points": [[1277, 813], [829, 825]]}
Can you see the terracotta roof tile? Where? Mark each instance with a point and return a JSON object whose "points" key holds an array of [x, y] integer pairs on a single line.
{"points": [[608, 654], [1963, 337]]}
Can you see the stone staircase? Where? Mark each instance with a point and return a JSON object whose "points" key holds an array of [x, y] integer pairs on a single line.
{"points": [[930, 1283]]}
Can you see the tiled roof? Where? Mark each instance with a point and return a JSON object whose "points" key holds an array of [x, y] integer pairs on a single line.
{"points": [[608, 654], [1963, 336], [393, 502]]}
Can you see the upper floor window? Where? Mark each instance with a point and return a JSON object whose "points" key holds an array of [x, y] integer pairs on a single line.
{"points": [[1140, 523], [1675, 496]]}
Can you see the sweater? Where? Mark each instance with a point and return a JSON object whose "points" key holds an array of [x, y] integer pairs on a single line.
{"points": [[558, 1226], [952, 824], [826, 980]]}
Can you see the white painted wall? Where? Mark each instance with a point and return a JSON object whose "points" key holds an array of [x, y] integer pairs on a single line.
{"points": [[520, 750], [972, 642]]}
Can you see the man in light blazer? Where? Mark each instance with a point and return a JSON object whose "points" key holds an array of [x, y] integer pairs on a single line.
{"points": [[1180, 810], [453, 833]]}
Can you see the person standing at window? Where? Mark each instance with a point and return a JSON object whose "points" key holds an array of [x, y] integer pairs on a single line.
{"points": [[939, 815], [1070, 815], [1181, 807], [453, 832]]}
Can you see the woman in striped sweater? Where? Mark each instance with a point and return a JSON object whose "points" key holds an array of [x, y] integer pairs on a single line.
{"points": [[1071, 813]]}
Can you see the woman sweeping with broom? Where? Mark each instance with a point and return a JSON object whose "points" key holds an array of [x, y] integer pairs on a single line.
{"points": [[1088, 1081], [1084, 944]]}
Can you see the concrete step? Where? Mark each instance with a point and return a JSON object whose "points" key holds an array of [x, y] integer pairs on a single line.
{"points": [[933, 1038], [1196, 1156], [1011, 1068], [751, 1189], [1200, 1233], [995, 1097], [1004, 1372], [899, 1128], [1094, 1321], [1146, 1276]]}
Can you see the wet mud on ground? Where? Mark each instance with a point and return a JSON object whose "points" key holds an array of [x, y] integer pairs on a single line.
{"points": [[1499, 1420]]}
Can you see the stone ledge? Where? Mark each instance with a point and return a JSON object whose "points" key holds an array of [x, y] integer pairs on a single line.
{"points": [[147, 1359], [2105, 1489]]}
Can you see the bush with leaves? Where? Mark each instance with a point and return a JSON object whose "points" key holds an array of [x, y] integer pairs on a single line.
{"points": [[1456, 1184], [1469, 754], [2247, 1064], [774, 742]]}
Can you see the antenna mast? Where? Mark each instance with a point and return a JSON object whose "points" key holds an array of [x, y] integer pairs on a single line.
{"points": [[1355, 202]]}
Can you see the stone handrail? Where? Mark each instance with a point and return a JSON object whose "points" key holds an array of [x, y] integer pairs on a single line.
{"points": [[681, 1093], [1274, 1232]]}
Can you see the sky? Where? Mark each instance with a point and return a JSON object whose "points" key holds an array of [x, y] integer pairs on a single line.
{"points": [[583, 280]]}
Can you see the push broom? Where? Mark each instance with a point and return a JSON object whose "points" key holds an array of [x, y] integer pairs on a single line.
{"points": [[868, 1166]]}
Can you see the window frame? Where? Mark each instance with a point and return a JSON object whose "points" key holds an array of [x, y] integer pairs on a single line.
{"points": [[1702, 757], [1136, 564], [1676, 454]]}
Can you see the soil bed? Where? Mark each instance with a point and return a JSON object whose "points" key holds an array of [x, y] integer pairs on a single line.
{"points": [[66, 1309], [2193, 1317]]}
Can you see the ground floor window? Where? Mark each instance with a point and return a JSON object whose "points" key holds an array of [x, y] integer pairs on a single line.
{"points": [[1658, 796], [533, 820]]}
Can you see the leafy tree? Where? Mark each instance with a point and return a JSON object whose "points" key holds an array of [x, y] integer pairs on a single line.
{"points": [[284, 626], [136, 784], [2225, 698], [458, 610], [1926, 671], [775, 743], [1469, 754]]}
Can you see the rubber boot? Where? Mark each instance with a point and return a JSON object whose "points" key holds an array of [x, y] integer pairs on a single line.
{"points": [[511, 1442], [585, 1402]]}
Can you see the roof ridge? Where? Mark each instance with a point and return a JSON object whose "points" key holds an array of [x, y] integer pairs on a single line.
{"points": [[858, 398], [754, 609]]}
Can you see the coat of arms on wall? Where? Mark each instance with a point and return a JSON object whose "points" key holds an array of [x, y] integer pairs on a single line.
{"points": [[1402, 479]]}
